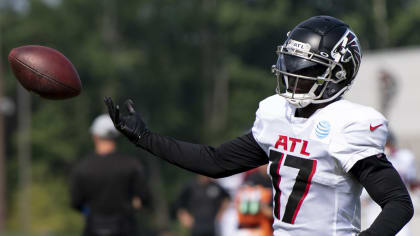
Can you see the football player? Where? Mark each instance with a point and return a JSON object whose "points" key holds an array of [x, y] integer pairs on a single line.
{"points": [[320, 148]]}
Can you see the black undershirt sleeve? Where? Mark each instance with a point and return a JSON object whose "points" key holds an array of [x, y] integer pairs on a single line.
{"points": [[385, 187], [238, 155]]}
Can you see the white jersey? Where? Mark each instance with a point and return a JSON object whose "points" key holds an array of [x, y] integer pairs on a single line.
{"points": [[309, 160]]}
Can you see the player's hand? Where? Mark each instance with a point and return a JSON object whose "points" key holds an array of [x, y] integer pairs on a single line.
{"points": [[364, 233], [128, 121]]}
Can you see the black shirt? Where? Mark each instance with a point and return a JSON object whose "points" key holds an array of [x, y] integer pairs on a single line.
{"points": [[202, 201], [107, 184]]}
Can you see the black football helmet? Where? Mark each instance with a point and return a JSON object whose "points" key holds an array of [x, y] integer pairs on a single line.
{"points": [[318, 61]]}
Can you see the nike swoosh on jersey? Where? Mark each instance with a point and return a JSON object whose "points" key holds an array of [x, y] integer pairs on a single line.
{"points": [[372, 128]]}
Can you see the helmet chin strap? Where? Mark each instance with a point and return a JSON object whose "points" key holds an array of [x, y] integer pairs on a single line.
{"points": [[299, 103], [302, 103], [302, 100], [339, 93]]}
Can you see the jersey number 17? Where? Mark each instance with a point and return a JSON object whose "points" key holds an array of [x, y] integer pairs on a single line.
{"points": [[301, 187]]}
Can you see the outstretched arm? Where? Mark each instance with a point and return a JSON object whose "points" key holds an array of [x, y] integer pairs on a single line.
{"points": [[238, 155], [386, 188]]}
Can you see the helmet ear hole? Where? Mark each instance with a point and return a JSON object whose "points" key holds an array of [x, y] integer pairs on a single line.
{"points": [[341, 75], [331, 90]]}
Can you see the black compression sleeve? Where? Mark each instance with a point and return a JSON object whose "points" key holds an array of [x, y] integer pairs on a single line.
{"points": [[386, 188], [238, 155]]}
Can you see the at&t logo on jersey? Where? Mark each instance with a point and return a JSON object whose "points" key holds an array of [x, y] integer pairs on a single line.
{"points": [[322, 129]]}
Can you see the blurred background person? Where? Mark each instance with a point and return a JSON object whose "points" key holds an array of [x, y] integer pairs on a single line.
{"points": [[201, 205], [388, 89], [404, 162], [229, 218], [108, 187], [254, 204]]}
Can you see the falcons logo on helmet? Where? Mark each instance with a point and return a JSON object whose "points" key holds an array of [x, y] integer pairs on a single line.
{"points": [[347, 50]]}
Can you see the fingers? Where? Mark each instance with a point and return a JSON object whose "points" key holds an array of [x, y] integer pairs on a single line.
{"points": [[131, 107], [109, 103], [114, 111], [117, 115], [129, 104], [111, 107]]}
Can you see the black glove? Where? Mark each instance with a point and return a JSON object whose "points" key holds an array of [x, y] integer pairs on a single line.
{"points": [[128, 122], [364, 233]]}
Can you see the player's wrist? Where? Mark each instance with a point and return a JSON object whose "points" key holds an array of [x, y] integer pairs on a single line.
{"points": [[139, 137]]}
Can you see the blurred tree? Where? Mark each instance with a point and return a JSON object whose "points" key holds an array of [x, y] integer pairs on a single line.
{"points": [[2, 149]]}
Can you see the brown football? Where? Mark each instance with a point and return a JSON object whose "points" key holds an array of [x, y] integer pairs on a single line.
{"points": [[45, 71]]}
